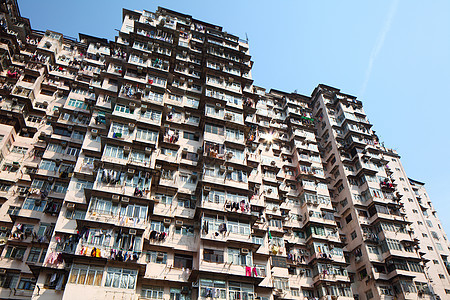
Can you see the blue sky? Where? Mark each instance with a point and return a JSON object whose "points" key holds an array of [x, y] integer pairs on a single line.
{"points": [[393, 55]]}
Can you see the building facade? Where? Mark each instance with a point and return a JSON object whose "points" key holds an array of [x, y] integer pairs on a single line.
{"points": [[151, 167]]}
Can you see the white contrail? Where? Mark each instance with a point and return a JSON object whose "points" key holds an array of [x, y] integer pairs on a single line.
{"points": [[379, 44]]}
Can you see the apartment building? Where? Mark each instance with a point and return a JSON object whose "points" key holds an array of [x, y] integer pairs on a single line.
{"points": [[151, 167], [386, 219]]}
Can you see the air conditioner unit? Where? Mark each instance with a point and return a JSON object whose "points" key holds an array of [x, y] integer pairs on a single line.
{"points": [[126, 149], [167, 222], [178, 223], [219, 104], [158, 167], [3, 228], [143, 108], [272, 163], [115, 198], [244, 251], [2, 271], [94, 132], [130, 172], [19, 256], [133, 232], [132, 106], [148, 150], [56, 112], [70, 206], [230, 169], [131, 126], [157, 199], [207, 188], [222, 168], [125, 199], [185, 150]]}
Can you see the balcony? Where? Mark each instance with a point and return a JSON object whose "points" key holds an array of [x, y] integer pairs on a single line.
{"points": [[167, 273], [236, 272], [162, 209], [179, 242], [128, 91], [106, 217]]}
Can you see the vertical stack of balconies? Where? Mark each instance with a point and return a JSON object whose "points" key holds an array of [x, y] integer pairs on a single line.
{"points": [[382, 249]]}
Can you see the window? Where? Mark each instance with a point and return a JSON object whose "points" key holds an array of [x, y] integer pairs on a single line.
{"points": [[295, 292], [13, 210], [164, 199], [77, 103], [34, 204], [114, 151], [19, 150], [435, 235], [121, 278], [119, 130], [429, 223], [86, 275], [59, 187], [157, 257], [348, 218], [215, 256], [369, 295], [373, 249], [75, 214], [13, 252], [190, 136], [122, 108], [281, 283], [152, 292], [158, 226], [147, 135], [34, 119], [185, 230], [239, 227], [26, 284], [182, 261], [441, 276], [152, 115], [9, 280], [72, 151], [279, 261], [353, 235], [239, 258], [47, 165], [176, 294]]}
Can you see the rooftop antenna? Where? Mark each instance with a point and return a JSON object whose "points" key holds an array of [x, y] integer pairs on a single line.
{"points": [[246, 37]]}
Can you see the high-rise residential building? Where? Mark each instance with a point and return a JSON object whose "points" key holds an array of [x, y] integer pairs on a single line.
{"points": [[151, 167]]}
